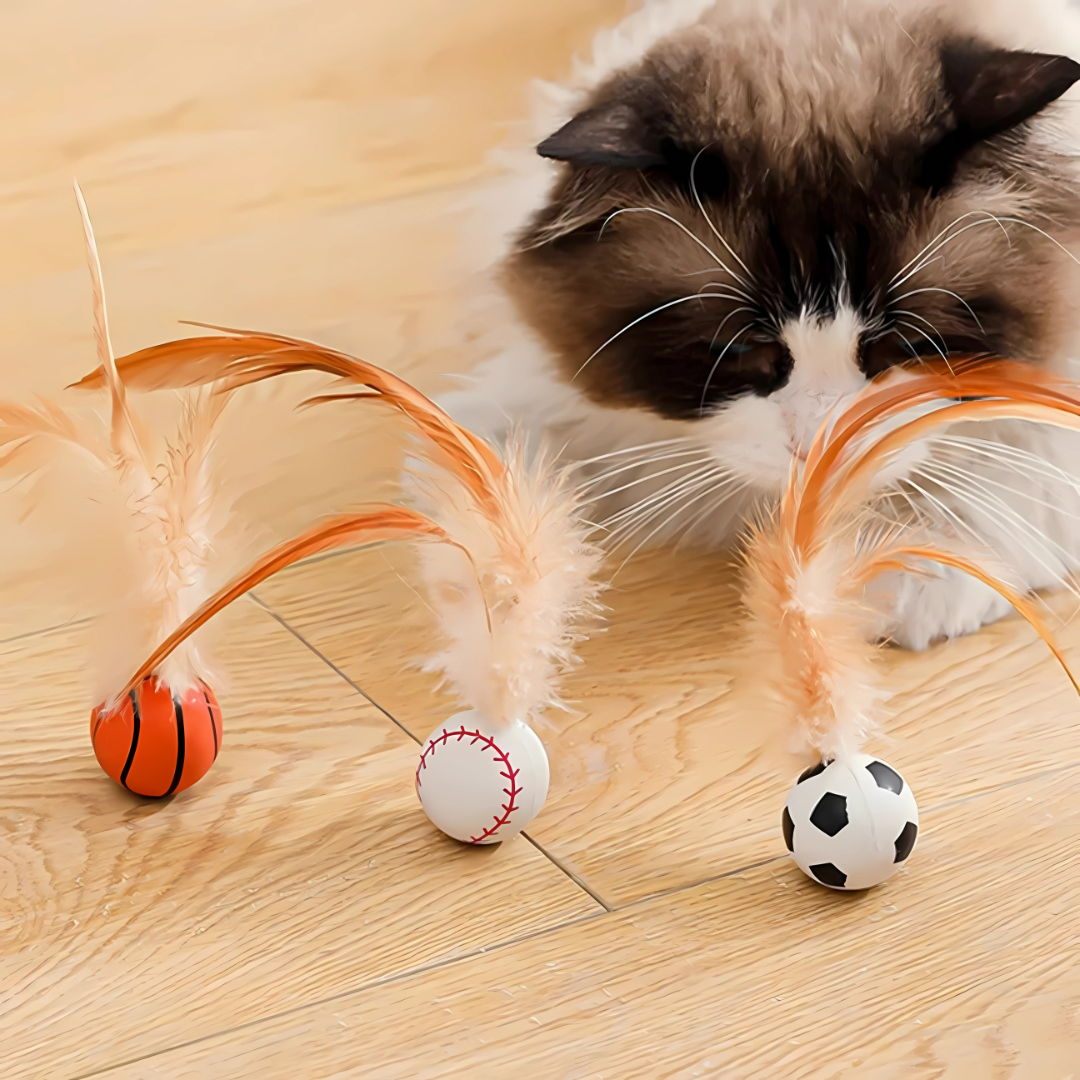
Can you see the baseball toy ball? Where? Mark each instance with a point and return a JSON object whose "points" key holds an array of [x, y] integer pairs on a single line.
{"points": [[155, 741], [481, 782], [851, 823]]}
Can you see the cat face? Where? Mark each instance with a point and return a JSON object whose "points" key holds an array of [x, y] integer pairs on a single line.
{"points": [[762, 215]]}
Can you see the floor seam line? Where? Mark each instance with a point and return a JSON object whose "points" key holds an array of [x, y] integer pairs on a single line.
{"points": [[333, 667], [373, 984], [566, 871], [499, 946]]}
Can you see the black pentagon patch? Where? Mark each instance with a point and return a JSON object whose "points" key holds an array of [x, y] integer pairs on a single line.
{"points": [[830, 814], [828, 874], [789, 829], [885, 777], [906, 841], [814, 770]]}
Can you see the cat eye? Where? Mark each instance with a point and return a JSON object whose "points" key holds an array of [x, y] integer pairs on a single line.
{"points": [[753, 365], [739, 348], [893, 349]]}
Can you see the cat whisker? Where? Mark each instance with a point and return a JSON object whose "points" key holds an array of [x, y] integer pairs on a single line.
{"points": [[1009, 458], [642, 463], [931, 249], [684, 439], [733, 296], [645, 479], [723, 495], [941, 352], [980, 481], [708, 220], [978, 499], [676, 222], [641, 318], [1042, 232], [716, 364], [668, 508], [947, 292], [670, 505], [988, 220], [911, 348], [673, 488], [667, 522], [1012, 468]]}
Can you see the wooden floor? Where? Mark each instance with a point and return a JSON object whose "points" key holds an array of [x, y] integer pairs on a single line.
{"points": [[298, 166]]}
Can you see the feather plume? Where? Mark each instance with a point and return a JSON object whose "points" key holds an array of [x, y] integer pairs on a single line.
{"points": [[167, 505], [373, 524], [534, 579], [808, 567], [240, 358], [512, 589]]}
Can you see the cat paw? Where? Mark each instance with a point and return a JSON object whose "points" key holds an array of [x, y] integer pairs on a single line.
{"points": [[915, 610]]}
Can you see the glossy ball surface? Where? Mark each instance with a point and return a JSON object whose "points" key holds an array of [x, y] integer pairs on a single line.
{"points": [[156, 742]]}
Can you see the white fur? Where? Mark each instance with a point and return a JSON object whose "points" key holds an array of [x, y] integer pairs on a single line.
{"points": [[517, 383]]}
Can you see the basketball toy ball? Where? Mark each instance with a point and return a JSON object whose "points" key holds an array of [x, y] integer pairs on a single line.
{"points": [[851, 823], [481, 782], [156, 742]]}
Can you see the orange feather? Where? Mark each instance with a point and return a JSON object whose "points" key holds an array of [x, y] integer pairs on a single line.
{"points": [[240, 358], [376, 522], [807, 569]]}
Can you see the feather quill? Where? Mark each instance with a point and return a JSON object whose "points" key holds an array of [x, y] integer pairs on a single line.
{"points": [[807, 568]]}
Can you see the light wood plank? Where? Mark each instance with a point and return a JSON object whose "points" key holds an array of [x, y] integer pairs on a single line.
{"points": [[679, 766], [300, 867], [352, 280], [962, 966], [217, 117]]}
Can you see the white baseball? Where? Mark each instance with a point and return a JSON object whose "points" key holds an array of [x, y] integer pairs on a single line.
{"points": [[481, 782]]}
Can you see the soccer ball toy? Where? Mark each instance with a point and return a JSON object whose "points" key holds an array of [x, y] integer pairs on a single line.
{"points": [[851, 823], [155, 741], [481, 782]]}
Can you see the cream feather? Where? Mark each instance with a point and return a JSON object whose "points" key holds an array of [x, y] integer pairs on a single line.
{"points": [[807, 568], [514, 587], [167, 510], [532, 580]]}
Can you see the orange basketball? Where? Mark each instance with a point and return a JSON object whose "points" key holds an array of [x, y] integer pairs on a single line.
{"points": [[156, 742]]}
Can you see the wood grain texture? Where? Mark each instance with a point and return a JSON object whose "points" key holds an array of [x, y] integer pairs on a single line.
{"points": [[956, 968], [211, 119], [304, 166], [301, 866], [678, 768]]}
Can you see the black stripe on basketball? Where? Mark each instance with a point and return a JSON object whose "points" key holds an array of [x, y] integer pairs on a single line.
{"points": [[213, 726], [136, 723], [180, 748]]}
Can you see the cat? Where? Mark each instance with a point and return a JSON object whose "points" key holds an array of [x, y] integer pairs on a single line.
{"points": [[743, 210]]}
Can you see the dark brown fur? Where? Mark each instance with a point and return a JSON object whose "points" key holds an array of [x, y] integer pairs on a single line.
{"points": [[825, 176]]}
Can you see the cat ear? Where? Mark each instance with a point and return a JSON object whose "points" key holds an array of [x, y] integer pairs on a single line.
{"points": [[992, 90], [613, 134]]}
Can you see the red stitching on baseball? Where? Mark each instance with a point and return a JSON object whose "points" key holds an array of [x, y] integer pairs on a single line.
{"points": [[501, 756]]}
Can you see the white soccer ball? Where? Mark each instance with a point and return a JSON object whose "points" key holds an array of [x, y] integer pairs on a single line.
{"points": [[852, 823], [481, 782]]}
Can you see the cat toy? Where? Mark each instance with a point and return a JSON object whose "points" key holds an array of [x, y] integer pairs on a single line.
{"points": [[851, 821], [510, 573], [163, 733]]}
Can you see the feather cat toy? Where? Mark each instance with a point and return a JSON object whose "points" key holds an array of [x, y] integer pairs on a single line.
{"points": [[162, 734], [851, 821], [510, 581]]}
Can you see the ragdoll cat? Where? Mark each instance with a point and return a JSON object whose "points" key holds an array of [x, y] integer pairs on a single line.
{"points": [[743, 210]]}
